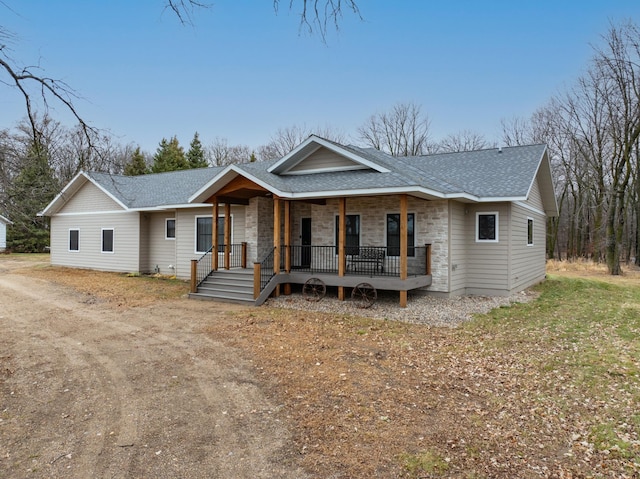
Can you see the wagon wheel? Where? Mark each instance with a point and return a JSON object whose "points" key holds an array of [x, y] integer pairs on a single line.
{"points": [[314, 289], [364, 294]]}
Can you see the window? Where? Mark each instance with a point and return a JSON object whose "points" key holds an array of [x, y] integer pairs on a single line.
{"points": [[393, 234], [74, 240], [529, 231], [170, 228], [203, 234], [487, 227], [107, 240], [353, 234]]}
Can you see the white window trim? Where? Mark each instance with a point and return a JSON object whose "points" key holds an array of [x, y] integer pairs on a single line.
{"points": [[113, 240], [195, 227], [533, 231], [69, 240], [484, 213], [166, 221], [386, 246], [359, 232]]}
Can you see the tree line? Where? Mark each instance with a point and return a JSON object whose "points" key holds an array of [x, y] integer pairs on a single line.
{"points": [[592, 131]]}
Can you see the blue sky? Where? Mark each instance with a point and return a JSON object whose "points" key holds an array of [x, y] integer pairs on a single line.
{"points": [[241, 72]]}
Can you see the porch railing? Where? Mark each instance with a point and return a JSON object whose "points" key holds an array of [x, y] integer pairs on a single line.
{"points": [[360, 260], [237, 256]]}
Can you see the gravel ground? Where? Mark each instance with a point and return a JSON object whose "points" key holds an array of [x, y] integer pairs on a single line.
{"points": [[434, 311]]}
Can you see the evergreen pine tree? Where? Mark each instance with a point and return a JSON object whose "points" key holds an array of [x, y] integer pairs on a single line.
{"points": [[137, 165], [195, 155], [169, 157], [29, 193]]}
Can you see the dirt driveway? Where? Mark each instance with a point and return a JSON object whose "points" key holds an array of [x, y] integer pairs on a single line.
{"points": [[91, 390]]}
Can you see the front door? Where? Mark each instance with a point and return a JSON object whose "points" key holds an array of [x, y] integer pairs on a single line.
{"points": [[305, 238]]}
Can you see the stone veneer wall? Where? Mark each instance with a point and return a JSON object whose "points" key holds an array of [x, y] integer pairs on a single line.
{"points": [[258, 228], [432, 226]]}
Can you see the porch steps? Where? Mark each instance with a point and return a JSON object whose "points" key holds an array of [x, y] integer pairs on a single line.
{"points": [[234, 285]]}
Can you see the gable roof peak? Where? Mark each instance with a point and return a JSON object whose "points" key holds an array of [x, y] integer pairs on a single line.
{"points": [[314, 143]]}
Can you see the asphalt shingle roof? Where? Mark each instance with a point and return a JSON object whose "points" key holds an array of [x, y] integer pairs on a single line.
{"points": [[492, 173], [160, 189], [497, 173]]}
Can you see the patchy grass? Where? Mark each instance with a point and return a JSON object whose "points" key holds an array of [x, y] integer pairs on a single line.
{"points": [[120, 289], [549, 388], [545, 389]]}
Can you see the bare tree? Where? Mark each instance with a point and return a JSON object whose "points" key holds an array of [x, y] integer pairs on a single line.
{"points": [[465, 140], [318, 15], [618, 69], [402, 131], [38, 90], [286, 139], [220, 153]]}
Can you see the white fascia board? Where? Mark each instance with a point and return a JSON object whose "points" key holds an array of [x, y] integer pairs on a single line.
{"points": [[120, 203], [151, 209], [46, 210], [544, 160], [97, 213], [6, 220], [72, 188], [529, 208], [201, 194], [287, 159]]}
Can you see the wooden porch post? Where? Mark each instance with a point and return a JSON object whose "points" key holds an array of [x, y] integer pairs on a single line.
{"points": [[342, 239], [243, 260], [287, 243], [256, 280], [276, 240], [227, 235], [214, 232], [194, 271], [403, 247]]}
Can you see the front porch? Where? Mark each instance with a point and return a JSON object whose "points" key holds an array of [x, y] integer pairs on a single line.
{"points": [[298, 264], [352, 245]]}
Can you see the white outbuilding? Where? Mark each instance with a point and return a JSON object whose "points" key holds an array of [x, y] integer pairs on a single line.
{"points": [[3, 232]]}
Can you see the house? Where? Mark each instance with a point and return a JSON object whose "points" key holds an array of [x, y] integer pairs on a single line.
{"points": [[4, 222], [343, 216]]}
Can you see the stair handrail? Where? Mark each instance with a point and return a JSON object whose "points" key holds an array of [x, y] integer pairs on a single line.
{"points": [[204, 267], [267, 270]]}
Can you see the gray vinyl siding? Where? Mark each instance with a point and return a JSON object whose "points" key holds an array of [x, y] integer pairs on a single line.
{"points": [[161, 251], [126, 241], [322, 159], [89, 198], [144, 242], [186, 235], [458, 236], [527, 262], [488, 263]]}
